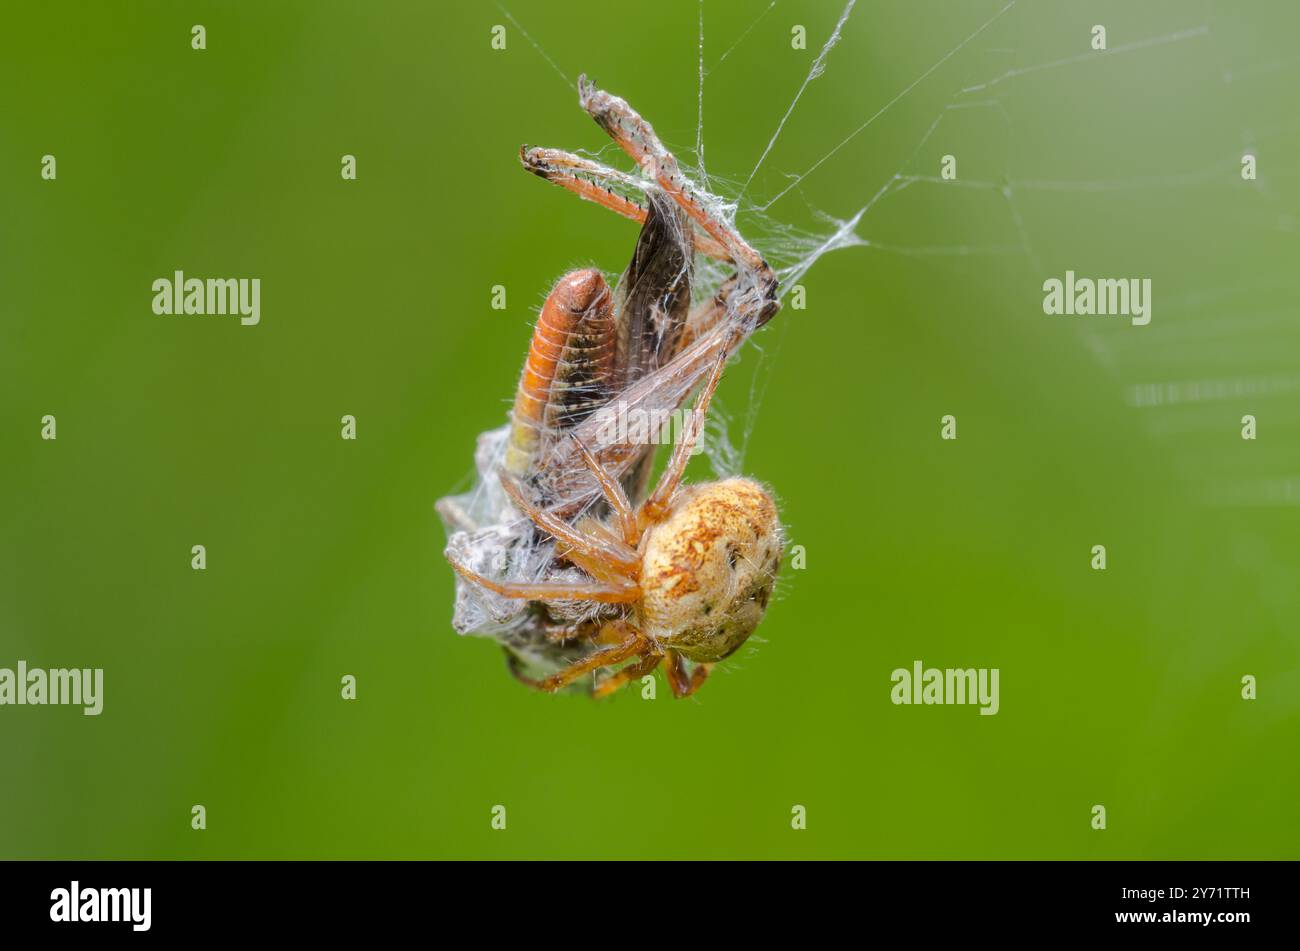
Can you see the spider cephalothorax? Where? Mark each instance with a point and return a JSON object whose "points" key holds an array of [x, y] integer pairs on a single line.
{"points": [[683, 576]]}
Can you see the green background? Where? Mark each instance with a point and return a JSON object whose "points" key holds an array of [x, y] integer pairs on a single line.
{"points": [[1119, 687]]}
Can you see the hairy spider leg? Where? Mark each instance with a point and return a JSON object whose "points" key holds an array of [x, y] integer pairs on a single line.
{"points": [[619, 557], [684, 685], [633, 644], [601, 592], [617, 680], [660, 500], [625, 642], [612, 489]]}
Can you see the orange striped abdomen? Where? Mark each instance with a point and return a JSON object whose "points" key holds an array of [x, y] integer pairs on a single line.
{"points": [[569, 367]]}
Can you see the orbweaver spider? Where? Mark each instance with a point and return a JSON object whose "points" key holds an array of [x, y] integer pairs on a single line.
{"points": [[683, 577]]}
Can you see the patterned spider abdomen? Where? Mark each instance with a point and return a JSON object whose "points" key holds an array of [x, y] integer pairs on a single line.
{"points": [[709, 569]]}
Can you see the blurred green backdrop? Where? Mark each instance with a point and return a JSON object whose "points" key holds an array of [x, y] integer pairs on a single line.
{"points": [[1118, 687]]}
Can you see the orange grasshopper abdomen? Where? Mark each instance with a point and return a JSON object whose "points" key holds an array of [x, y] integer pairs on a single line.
{"points": [[569, 367]]}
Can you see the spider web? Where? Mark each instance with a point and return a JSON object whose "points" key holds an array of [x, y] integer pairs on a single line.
{"points": [[1207, 38], [968, 86], [981, 89]]}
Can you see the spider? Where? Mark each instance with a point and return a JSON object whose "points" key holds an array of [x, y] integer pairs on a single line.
{"points": [[684, 577]]}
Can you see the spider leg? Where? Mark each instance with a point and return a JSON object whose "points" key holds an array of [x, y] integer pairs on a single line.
{"points": [[683, 685], [600, 571], [583, 177], [601, 592], [658, 502], [632, 644], [638, 139], [516, 669], [619, 679], [618, 557], [614, 494]]}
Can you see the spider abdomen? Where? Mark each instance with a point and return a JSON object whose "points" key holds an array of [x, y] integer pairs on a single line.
{"points": [[709, 568]]}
